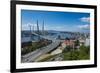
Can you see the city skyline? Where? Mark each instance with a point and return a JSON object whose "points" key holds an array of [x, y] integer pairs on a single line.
{"points": [[59, 21]]}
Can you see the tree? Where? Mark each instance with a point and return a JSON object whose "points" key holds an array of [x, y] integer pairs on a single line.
{"points": [[77, 43]]}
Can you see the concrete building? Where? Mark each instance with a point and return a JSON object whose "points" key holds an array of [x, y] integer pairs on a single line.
{"points": [[87, 42], [68, 43]]}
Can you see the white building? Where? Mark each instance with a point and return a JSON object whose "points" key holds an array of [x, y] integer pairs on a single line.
{"points": [[87, 42]]}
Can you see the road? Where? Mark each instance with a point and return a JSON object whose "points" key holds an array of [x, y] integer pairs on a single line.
{"points": [[30, 57]]}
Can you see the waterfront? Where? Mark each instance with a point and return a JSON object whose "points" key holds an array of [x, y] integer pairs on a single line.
{"points": [[54, 36], [57, 45], [26, 36]]}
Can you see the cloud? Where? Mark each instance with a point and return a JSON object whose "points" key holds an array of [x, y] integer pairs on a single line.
{"points": [[85, 19], [86, 26], [27, 26]]}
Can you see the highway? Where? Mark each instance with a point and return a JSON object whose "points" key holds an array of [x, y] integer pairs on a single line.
{"points": [[30, 57]]}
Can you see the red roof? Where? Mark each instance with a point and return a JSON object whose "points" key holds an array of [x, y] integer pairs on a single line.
{"points": [[68, 42]]}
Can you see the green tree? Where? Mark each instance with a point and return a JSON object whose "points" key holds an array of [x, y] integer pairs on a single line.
{"points": [[77, 43]]}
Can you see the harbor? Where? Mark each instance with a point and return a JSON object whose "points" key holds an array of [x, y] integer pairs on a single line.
{"points": [[37, 43]]}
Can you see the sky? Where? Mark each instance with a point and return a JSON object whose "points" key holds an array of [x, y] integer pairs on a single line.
{"points": [[59, 21]]}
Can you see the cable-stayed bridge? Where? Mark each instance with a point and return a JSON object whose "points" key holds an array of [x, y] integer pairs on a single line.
{"points": [[41, 51]]}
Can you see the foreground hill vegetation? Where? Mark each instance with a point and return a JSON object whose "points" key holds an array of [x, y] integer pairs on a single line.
{"points": [[82, 54]]}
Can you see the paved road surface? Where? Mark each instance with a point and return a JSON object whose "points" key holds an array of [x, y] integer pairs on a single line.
{"points": [[35, 54]]}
